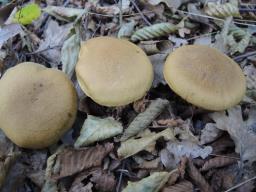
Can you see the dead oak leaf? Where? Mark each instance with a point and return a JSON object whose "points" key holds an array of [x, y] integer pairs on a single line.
{"points": [[71, 161], [55, 36], [242, 132]]}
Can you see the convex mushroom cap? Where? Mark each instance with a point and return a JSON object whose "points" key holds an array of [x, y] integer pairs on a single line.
{"points": [[205, 77], [113, 72], [37, 105]]}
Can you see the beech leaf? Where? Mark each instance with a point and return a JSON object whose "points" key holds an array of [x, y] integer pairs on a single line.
{"points": [[152, 183], [98, 129], [69, 54], [242, 132], [134, 145]]}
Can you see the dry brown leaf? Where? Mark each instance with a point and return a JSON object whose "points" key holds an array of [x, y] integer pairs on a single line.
{"points": [[79, 185], [170, 122], [103, 181], [218, 162], [140, 105], [222, 145], [198, 178], [183, 186], [72, 161]]}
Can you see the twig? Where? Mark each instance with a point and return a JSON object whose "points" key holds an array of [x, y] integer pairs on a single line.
{"points": [[245, 55], [210, 17], [142, 15], [240, 184], [215, 155], [120, 179]]}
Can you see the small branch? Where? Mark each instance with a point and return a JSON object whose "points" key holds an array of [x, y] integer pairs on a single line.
{"points": [[215, 18], [240, 57], [240, 184], [142, 15]]}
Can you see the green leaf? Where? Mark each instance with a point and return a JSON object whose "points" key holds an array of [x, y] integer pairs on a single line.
{"points": [[69, 54], [28, 14], [153, 183], [98, 129]]}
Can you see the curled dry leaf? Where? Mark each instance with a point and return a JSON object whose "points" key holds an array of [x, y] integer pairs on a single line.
{"points": [[242, 132], [224, 10], [217, 162], [97, 129], [154, 31], [188, 149], [144, 119], [210, 133], [170, 3], [155, 47], [183, 186], [197, 177], [232, 39], [69, 54], [135, 145], [71, 161], [152, 183]]}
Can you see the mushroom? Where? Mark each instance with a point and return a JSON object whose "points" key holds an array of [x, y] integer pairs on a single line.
{"points": [[205, 77], [37, 105], [113, 72]]}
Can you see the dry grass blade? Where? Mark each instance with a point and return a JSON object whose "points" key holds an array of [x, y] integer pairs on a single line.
{"points": [[144, 119], [75, 160], [183, 186], [217, 162], [198, 178]]}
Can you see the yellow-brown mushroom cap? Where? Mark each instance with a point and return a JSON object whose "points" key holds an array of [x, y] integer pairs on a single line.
{"points": [[113, 72], [37, 105], [205, 77]]}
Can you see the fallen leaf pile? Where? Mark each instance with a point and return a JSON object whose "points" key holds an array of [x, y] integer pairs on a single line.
{"points": [[158, 143]]}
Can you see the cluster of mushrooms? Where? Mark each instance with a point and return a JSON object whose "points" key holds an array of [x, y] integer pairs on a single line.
{"points": [[38, 104]]}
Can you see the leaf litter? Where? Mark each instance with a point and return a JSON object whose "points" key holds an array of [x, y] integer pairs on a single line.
{"points": [[149, 145]]}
